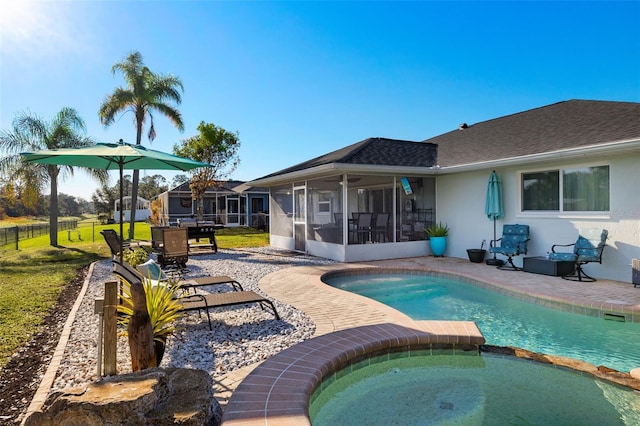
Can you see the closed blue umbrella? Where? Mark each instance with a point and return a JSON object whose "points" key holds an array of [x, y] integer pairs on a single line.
{"points": [[493, 208]]}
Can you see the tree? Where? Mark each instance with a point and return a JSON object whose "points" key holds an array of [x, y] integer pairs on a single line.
{"points": [[216, 146], [152, 186], [104, 197], [145, 92], [156, 211], [32, 133], [68, 206], [179, 179], [11, 202], [85, 206]]}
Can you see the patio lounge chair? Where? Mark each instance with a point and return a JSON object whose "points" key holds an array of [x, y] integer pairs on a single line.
{"points": [[113, 241], [205, 302], [151, 270], [588, 248], [512, 243]]}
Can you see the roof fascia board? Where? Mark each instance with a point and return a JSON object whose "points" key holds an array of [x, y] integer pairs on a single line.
{"points": [[334, 168], [588, 151]]}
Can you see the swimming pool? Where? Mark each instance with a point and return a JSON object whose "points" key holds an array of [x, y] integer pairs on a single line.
{"points": [[503, 320], [478, 390]]}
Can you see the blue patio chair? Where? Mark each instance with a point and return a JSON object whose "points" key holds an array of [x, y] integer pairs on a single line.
{"points": [[512, 243], [588, 248]]}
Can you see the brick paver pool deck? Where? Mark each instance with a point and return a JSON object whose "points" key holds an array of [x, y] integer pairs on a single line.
{"points": [[334, 310]]}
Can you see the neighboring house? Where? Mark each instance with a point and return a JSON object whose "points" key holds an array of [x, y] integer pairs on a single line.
{"points": [[143, 210], [565, 167], [221, 205]]}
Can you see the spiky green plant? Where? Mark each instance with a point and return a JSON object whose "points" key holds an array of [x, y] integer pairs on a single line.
{"points": [[439, 229], [163, 305]]}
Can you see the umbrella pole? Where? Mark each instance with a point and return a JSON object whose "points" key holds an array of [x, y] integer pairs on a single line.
{"points": [[494, 261], [121, 214], [494, 236]]}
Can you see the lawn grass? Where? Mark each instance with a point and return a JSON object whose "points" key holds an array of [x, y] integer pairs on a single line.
{"points": [[32, 277]]}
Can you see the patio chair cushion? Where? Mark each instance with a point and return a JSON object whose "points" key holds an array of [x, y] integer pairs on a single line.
{"points": [[514, 240], [151, 270], [587, 248], [584, 249]]}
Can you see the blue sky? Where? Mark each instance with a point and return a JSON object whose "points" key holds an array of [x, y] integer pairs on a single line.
{"points": [[300, 79]]}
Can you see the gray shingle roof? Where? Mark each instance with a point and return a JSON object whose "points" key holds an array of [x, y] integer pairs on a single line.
{"points": [[226, 186], [560, 126], [374, 152], [563, 125]]}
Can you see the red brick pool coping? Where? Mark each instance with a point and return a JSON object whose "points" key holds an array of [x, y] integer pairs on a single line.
{"points": [[277, 392]]}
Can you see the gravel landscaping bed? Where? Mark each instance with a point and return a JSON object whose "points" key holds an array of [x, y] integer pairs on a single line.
{"points": [[241, 335]]}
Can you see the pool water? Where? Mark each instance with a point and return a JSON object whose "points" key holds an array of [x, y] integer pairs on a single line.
{"points": [[503, 320], [470, 390]]}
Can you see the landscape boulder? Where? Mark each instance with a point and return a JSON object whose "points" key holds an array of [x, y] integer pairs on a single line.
{"points": [[155, 396]]}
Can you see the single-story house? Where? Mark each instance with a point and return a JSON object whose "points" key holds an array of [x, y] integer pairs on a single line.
{"points": [[565, 167], [221, 204]]}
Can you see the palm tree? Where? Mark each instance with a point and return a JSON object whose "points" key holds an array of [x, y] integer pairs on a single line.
{"points": [[145, 92], [32, 133]]}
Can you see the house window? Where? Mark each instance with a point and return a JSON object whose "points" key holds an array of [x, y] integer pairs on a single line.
{"points": [[581, 189], [324, 203]]}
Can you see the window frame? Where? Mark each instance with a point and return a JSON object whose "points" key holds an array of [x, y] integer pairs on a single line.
{"points": [[323, 207], [562, 213]]}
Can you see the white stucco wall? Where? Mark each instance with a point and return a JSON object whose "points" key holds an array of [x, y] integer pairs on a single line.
{"points": [[460, 200]]}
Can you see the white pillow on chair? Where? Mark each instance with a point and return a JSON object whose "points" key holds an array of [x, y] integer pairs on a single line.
{"points": [[151, 270]]}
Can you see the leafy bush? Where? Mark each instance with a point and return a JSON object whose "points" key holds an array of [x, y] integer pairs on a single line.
{"points": [[136, 256]]}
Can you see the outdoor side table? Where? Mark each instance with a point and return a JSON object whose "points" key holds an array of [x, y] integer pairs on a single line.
{"points": [[542, 265]]}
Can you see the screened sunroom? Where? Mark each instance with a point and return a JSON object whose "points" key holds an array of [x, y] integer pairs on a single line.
{"points": [[356, 204]]}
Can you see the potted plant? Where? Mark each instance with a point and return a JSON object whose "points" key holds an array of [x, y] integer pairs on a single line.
{"points": [[477, 255], [163, 306], [437, 234]]}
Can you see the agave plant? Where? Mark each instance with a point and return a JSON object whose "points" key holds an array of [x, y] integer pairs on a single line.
{"points": [[439, 229], [163, 305]]}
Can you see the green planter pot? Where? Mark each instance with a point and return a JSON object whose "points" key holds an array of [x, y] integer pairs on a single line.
{"points": [[438, 245]]}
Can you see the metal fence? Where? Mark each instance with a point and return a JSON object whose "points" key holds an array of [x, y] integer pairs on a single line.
{"points": [[13, 234]]}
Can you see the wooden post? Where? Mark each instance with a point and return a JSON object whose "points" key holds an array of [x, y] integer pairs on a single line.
{"points": [[110, 332]]}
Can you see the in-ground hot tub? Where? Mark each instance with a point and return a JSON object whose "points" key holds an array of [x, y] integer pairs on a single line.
{"points": [[283, 388], [420, 387]]}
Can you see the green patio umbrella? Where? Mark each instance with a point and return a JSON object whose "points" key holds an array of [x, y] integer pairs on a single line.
{"points": [[493, 208], [114, 156]]}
